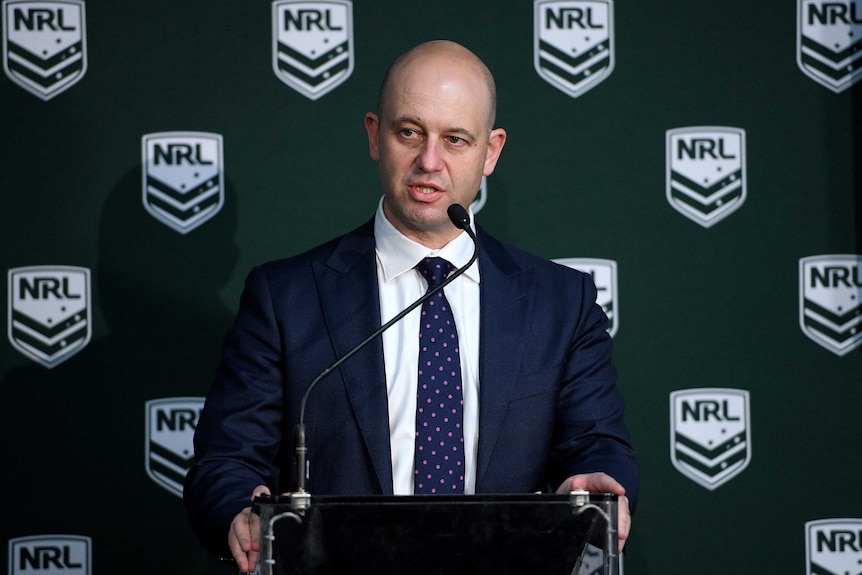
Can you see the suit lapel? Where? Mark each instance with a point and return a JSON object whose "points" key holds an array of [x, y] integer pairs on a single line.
{"points": [[347, 284], [505, 312]]}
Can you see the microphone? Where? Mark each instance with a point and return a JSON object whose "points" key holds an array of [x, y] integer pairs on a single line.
{"points": [[461, 219]]}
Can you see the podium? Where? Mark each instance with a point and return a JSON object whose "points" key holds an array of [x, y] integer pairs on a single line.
{"points": [[438, 534]]}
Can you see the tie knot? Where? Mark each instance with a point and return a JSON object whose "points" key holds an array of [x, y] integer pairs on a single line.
{"points": [[434, 270]]}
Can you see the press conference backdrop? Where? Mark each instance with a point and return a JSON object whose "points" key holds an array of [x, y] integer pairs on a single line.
{"points": [[702, 160]]}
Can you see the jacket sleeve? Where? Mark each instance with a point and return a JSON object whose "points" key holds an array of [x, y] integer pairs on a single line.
{"points": [[590, 432], [239, 431]]}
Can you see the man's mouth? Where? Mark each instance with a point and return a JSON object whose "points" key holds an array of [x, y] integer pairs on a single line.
{"points": [[425, 192]]}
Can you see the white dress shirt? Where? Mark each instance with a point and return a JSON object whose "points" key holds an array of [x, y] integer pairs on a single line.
{"points": [[400, 285]]}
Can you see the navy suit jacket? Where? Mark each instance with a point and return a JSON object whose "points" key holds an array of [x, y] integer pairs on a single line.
{"points": [[549, 405]]}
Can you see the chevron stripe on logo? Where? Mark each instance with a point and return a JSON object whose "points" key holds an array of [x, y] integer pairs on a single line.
{"points": [[709, 201]]}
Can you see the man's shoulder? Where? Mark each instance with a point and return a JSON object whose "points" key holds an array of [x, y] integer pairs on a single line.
{"points": [[507, 255], [353, 244]]}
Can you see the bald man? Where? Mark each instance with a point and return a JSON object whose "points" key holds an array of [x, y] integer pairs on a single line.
{"points": [[539, 410]]}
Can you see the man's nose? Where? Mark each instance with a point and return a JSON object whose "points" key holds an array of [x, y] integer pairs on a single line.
{"points": [[429, 158]]}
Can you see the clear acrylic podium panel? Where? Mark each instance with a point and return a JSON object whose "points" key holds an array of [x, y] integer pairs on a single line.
{"points": [[439, 535]]}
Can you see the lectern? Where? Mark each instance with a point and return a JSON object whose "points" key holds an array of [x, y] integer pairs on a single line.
{"points": [[438, 534]]}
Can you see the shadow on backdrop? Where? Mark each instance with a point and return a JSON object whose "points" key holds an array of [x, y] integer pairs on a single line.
{"points": [[77, 432]]}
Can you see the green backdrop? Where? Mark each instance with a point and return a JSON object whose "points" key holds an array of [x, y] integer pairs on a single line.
{"points": [[712, 308]]}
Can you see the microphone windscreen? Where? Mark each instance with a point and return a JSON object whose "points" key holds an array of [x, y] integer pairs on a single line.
{"points": [[459, 216]]}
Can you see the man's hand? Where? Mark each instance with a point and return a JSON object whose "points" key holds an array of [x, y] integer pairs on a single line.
{"points": [[244, 536], [603, 483]]}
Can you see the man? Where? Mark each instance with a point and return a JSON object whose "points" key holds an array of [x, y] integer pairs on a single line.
{"points": [[540, 405]]}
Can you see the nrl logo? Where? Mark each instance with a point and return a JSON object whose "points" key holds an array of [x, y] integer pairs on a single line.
{"points": [[66, 554], [44, 45], [833, 547], [604, 273], [312, 44], [710, 439], [481, 197], [183, 178], [706, 172], [573, 47], [829, 42], [592, 561], [170, 434], [830, 301], [49, 312]]}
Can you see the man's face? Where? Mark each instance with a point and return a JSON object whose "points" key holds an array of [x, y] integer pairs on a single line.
{"points": [[433, 144]]}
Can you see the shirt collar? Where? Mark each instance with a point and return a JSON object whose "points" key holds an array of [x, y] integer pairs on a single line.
{"points": [[398, 254]]}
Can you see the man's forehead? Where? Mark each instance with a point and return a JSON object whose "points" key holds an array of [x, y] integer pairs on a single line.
{"points": [[443, 69], [461, 100]]}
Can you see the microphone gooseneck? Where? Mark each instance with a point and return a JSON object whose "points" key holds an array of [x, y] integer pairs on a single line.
{"points": [[461, 219]]}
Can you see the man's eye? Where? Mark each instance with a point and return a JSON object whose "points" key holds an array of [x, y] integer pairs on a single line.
{"points": [[456, 140], [408, 132]]}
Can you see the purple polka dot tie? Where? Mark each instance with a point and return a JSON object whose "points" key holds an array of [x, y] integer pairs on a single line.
{"points": [[439, 401]]}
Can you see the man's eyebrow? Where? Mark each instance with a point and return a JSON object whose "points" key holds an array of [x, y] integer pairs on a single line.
{"points": [[406, 120], [464, 132]]}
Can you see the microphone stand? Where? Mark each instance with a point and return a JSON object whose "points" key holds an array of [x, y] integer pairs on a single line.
{"points": [[301, 499]]}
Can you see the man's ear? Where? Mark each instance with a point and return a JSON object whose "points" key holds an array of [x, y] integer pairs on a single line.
{"points": [[372, 126], [496, 141]]}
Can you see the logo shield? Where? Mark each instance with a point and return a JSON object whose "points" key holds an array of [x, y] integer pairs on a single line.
{"points": [[49, 312], [312, 44], [44, 45], [830, 301], [833, 547], [710, 434], [829, 42], [604, 273], [706, 172], [183, 178], [50, 554], [573, 47], [171, 426], [481, 197]]}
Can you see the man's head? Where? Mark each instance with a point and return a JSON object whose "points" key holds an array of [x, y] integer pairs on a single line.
{"points": [[433, 137]]}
